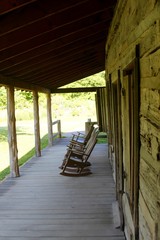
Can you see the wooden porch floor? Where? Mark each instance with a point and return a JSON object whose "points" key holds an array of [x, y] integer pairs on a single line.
{"points": [[42, 204]]}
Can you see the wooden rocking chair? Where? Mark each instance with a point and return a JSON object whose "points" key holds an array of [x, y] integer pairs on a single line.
{"points": [[78, 146], [76, 161], [81, 138]]}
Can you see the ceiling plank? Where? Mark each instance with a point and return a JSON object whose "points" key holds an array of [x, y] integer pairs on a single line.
{"points": [[50, 43], [36, 47], [53, 70], [7, 5], [43, 33], [55, 56], [72, 78], [58, 80], [67, 50], [46, 10]]}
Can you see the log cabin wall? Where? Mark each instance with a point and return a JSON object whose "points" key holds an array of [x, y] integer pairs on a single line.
{"points": [[137, 176]]}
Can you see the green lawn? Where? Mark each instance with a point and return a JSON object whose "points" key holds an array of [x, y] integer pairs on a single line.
{"points": [[25, 142], [24, 158]]}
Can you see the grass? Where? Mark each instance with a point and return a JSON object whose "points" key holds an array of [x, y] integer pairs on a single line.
{"points": [[25, 158], [102, 138]]}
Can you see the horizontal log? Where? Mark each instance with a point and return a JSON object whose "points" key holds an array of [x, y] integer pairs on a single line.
{"points": [[71, 90], [7, 81], [151, 223]]}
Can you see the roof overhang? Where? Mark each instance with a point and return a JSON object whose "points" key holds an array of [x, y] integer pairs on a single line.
{"points": [[51, 43]]}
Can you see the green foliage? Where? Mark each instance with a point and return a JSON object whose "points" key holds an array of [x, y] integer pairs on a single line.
{"points": [[74, 104], [24, 114], [24, 99], [3, 98], [4, 173], [63, 105], [96, 80], [102, 138], [27, 95], [25, 158], [3, 134]]}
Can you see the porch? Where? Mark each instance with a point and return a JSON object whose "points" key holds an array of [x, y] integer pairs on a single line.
{"points": [[42, 204]]}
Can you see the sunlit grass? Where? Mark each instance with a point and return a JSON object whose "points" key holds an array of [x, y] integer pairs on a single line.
{"points": [[25, 158], [102, 138]]}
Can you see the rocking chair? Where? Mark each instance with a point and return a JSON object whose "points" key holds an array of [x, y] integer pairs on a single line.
{"points": [[76, 160]]}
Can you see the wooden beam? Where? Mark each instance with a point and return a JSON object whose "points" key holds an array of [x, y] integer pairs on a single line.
{"points": [[72, 77], [99, 110], [55, 71], [60, 12], [71, 90], [42, 32], [7, 5], [36, 124], [52, 55], [12, 137], [43, 44], [137, 145], [7, 81], [49, 118], [120, 150]]}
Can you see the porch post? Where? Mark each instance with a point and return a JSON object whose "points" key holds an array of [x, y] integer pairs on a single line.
{"points": [[36, 124], [12, 137], [49, 119]]}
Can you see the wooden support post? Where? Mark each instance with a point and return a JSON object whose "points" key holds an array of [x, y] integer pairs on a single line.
{"points": [[120, 150], [12, 137], [136, 146], [59, 129], [36, 124], [49, 118]]}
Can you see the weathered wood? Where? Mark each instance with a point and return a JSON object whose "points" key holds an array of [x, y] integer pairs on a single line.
{"points": [[12, 137], [141, 24], [70, 90], [120, 149], [36, 124], [49, 118], [115, 135], [57, 207], [149, 188], [126, 134], [108, 82], [99, 110], [7, 81], [7, 6], [58, 133], [151, 224], [129, 225], [59, 129], [136, 139]]}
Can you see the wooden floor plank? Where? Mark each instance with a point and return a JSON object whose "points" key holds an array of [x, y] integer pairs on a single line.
{"points": [[42, 204]]}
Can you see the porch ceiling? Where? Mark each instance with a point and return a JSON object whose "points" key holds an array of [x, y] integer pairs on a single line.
{"points": [[50, 43]]}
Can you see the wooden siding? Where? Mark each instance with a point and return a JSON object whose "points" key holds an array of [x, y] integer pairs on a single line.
{"points": [[140, 22], [42, 204]]}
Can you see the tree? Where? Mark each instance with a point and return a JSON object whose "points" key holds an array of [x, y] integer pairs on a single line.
{"points": [[96, 80]]}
